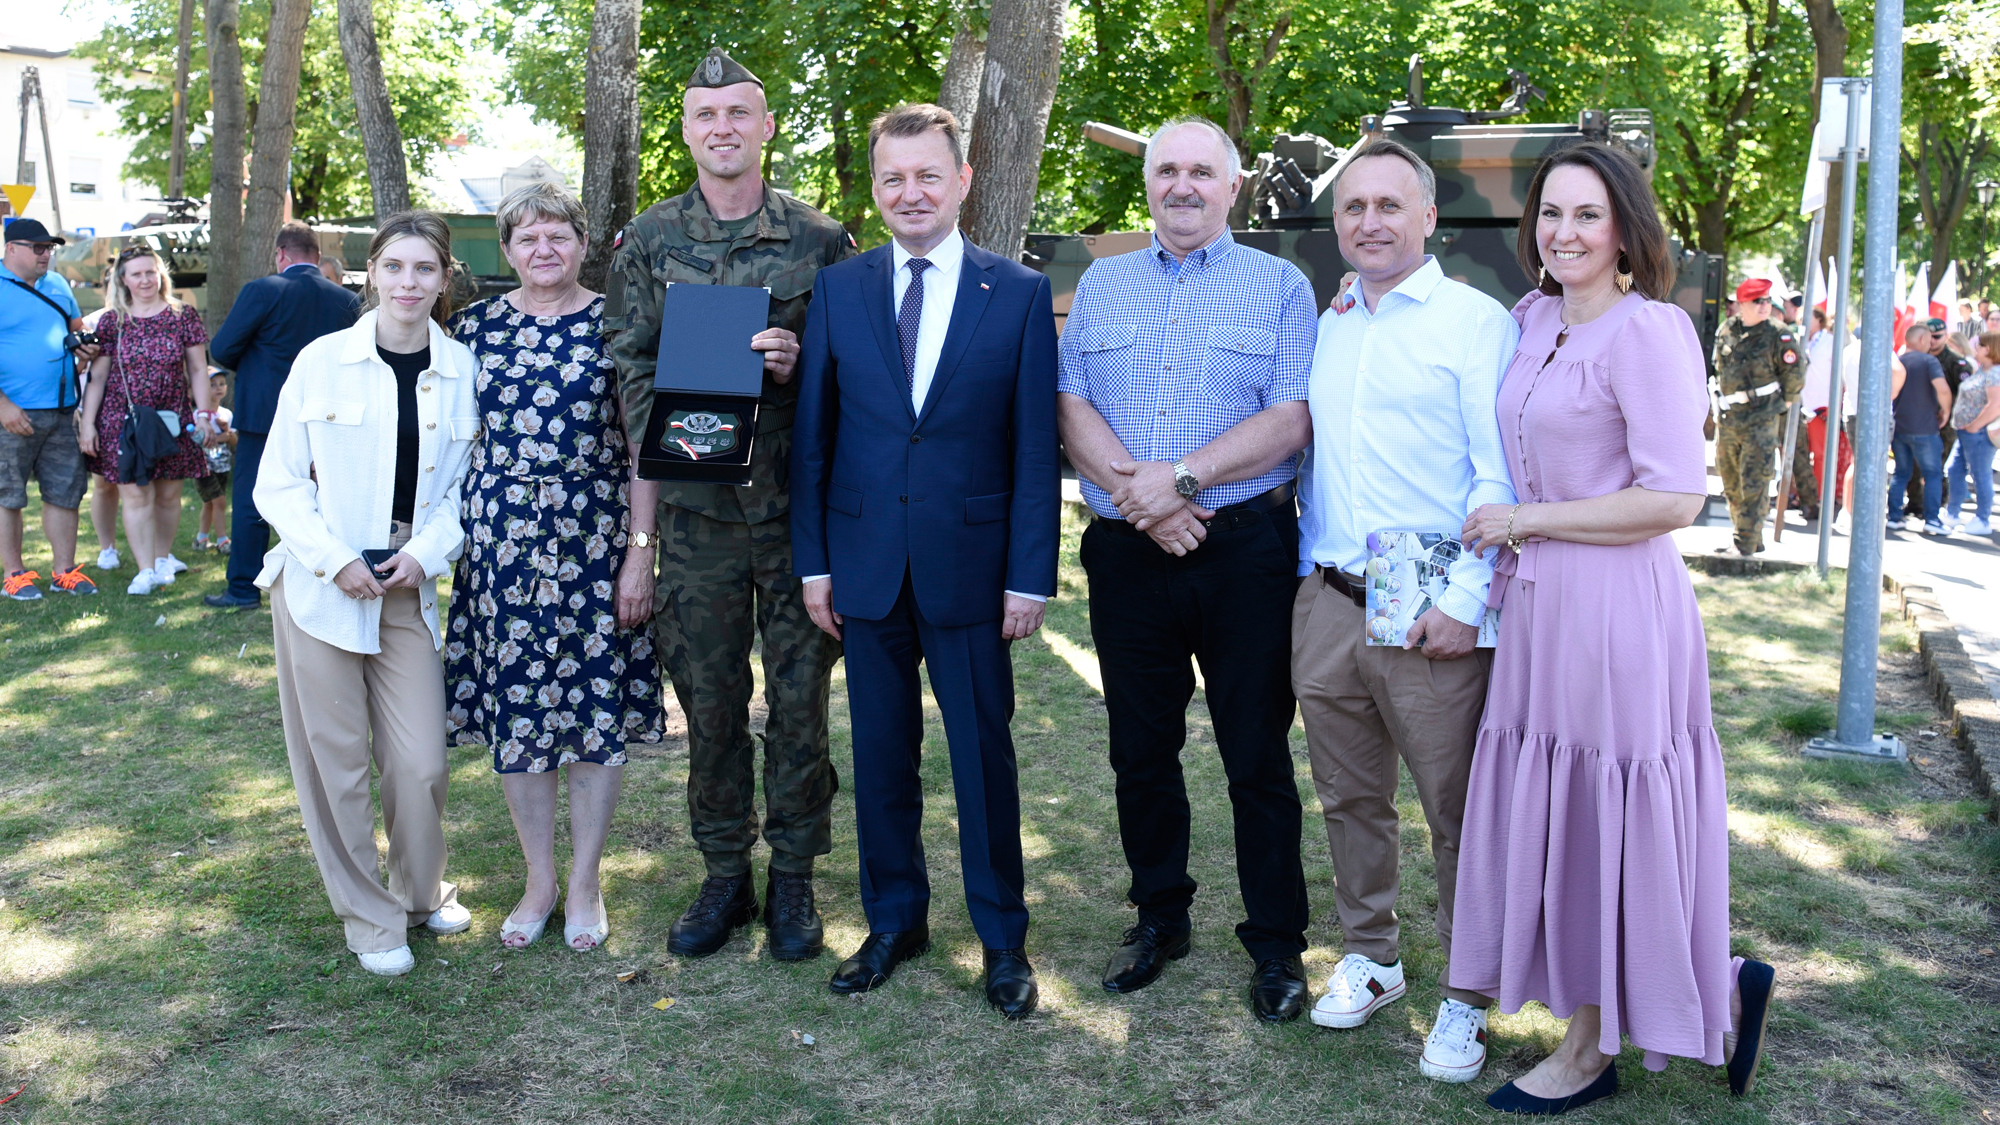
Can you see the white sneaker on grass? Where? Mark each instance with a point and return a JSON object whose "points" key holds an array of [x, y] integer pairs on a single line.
{"points": [[144, 582], [1356, 989], [1455, 1050], [390, 962], [108, 559], [163, 571], [451, 918], [174, 565]]}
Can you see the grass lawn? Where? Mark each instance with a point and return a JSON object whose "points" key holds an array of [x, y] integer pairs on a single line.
{"points": [[167, 953]]}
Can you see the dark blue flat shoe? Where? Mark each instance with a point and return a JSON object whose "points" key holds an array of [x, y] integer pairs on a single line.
{"points": [[1510, 1099], [1754, 983]]}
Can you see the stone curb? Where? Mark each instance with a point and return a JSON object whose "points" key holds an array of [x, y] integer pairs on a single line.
{"points": [[1954, 681]]}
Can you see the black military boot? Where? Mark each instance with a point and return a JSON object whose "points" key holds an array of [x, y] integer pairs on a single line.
{"points": [[723, 906], [796, 931]]}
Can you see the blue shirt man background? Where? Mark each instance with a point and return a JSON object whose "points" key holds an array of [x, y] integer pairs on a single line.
{"points": [[1182, 405], [38, 397]]}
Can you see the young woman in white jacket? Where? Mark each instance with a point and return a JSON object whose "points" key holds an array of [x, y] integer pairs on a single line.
{"points": [[371, 440]]}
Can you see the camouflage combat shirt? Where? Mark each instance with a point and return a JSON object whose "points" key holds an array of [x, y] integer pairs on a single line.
{"points": [[679, 241], [1758, 355]]}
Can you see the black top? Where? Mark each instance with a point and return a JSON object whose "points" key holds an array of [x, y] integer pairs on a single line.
{"points": [[1917, 406], [1955, 366], [407, 366]]}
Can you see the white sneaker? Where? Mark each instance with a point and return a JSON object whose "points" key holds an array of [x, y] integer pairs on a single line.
{"points": [[451, 918], [1977, 527], [163, 571], [390, 962], [1356, 989], [174, 565], [108, 559], [144, 582], [1935, 528], [1894, 525], [1455, 1050]]}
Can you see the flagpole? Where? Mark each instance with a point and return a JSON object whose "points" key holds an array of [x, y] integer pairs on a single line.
{"points": [[1837, 285]]}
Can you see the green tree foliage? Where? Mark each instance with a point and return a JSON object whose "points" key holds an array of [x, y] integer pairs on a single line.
{"points": [[423, 58]]}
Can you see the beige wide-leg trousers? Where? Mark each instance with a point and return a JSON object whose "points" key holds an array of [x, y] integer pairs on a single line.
{"points": [[332, 700], [1364, 707]]}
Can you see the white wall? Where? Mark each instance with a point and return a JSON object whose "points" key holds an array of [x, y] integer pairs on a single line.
{"points": [[89, 154]]}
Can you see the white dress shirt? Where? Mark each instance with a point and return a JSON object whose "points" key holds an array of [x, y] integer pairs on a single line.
{"points": [[940, 294], [1404, 432], [1819, 361], [328, 476]]}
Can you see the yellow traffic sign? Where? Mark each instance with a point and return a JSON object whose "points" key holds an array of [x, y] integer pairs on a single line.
{"points": [[18, 196]]}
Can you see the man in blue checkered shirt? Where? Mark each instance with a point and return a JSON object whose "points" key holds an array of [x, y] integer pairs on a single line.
{"points": [[1182, 402]]}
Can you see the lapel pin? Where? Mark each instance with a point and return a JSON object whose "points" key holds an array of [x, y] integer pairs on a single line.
{"points": [[983, 285]]}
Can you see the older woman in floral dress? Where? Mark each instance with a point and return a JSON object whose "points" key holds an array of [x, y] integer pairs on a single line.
{"points": [[546, 659]]}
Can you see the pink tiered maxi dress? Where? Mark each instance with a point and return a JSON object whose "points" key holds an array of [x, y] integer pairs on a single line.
{"points": [[1594, 868]]}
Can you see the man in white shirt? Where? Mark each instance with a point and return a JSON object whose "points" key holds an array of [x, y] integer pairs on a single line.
{"points": [[1404, 439], [1818, 388]]}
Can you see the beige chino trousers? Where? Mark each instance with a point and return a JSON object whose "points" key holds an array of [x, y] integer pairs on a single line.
{"points": [[332, 700], [1364, 708]]}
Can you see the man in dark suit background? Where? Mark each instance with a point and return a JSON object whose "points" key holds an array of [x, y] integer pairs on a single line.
{"points": [[925, 500], [273, 317]]}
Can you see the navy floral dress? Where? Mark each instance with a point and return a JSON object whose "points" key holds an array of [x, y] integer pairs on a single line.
{"points": [[535, 664]]}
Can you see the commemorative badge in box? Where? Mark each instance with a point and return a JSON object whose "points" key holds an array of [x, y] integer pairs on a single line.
{"points": [[706, 384]]}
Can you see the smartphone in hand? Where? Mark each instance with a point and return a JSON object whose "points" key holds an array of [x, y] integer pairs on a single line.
{"points": [[377, 559]]}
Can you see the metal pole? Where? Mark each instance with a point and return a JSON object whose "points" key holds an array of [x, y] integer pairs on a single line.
{"points": [[1861, 639], [1840, 284], [48, 152]]}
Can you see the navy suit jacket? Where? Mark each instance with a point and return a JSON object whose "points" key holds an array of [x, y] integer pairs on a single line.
{"points": [[272, 319], [965, 497]]}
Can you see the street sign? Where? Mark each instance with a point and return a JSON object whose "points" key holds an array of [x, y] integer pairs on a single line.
{"points": [[18, 196], [1832, 129]]}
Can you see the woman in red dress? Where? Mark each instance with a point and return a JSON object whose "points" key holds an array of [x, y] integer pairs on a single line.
{"points": [[155, 360]]}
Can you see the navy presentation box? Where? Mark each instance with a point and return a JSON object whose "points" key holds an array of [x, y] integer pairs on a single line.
{"points": [[706, 384]]}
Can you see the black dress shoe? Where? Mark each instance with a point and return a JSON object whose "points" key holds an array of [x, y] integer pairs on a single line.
{"points": [[231, 601], [722, 907], [1754, 983], [1511, 1099], [789, 914], [1010, 982], [1143, 954], [1278, 989], [877, 958]]}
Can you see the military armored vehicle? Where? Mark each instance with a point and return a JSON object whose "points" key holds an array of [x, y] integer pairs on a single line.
{"points": [[1483, 164]]}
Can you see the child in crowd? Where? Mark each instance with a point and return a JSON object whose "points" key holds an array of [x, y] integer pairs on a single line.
{"points": [[214, 488]]}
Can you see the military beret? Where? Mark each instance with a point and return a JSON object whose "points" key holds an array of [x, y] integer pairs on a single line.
{"points": [[718, 69], [1934, 324], [1753, 289]]}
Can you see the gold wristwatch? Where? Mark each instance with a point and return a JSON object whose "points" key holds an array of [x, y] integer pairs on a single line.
{"points": [[643, 539]]}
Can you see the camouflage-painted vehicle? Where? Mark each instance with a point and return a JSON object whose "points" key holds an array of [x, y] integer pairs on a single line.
{"points": [[1483, 166]]}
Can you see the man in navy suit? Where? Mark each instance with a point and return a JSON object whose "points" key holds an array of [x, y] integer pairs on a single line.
{"points": [[272, 319], [925, 500]]}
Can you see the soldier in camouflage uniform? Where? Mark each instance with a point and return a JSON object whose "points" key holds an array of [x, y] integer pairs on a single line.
{"points": [[1759, 371], [725, 568]]}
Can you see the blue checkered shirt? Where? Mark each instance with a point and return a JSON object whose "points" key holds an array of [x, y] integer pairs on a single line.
{"points": [[1174, 353]]}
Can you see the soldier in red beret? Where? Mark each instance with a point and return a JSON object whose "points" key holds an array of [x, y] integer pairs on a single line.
{"points": [[1759, 371]]}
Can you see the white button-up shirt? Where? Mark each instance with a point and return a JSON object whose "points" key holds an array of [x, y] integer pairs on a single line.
{"points": [[329, 474], [940, 295], [1404, 433]]}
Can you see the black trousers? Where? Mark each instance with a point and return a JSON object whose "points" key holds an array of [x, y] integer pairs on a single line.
{"points": [[1228, 605], [249, 535]]}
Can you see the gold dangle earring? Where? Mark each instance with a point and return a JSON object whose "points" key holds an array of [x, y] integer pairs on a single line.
{"points": [[1623, 278]]}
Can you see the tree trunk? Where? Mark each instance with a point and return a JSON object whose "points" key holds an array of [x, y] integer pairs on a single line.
{"points": [[1239, 90], [225, 153], [381, 138], [177, 159], [1016, 91], [959, 92], [271, 149], [849, 216], [1829, 34], [1944, 170], [610, 132]]}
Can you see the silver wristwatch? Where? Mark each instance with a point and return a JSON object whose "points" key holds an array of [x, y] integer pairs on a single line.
{"points": [[1185, 482]]}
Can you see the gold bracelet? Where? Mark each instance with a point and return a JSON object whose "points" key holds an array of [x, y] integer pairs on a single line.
{"points": [[1514, 544]]}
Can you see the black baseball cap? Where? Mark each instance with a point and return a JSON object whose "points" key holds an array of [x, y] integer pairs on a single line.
{"points": [[31, 230]]}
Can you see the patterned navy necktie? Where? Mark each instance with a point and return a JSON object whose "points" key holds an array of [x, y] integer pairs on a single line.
{"points": [[906, 321]]}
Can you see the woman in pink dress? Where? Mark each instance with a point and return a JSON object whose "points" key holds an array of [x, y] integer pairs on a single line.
{"points": [[1594, 872]]}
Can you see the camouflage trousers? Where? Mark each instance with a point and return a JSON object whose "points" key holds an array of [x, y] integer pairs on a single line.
{"points": [[721, 585], [1804, 483], [1746, 456]]}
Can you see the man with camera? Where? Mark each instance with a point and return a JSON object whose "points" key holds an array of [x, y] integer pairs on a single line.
{"points": [[41, 340]]}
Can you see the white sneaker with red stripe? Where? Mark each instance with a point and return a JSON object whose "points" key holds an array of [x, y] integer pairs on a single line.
{"points": [[1455, 1050], [1356, 989]]}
